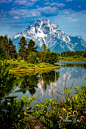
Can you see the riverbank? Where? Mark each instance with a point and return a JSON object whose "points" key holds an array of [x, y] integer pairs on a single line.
{"points": [[33, 69], [23, 66], [71, 59]]}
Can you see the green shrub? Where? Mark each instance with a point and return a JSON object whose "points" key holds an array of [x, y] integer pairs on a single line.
{"points": [[14, 59], [32, 58], [19, 59]]}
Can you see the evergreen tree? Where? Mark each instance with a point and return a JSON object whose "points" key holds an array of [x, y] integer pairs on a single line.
{"points": [[10, 49], [22, 51], [31, 46], [1, 38], [84, 54], [2, 53], [10, 46], [5, 43], [13, 52]]}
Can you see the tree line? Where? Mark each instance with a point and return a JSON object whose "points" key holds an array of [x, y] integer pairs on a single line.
{"points": [[7, 48], [74, 54], [27, 51]]}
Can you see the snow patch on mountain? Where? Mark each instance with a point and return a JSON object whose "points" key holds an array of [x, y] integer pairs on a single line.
{"points": [[43, 31]]}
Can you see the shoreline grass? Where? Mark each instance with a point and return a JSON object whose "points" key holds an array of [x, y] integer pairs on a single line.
{"points": [[34, 69], [24, 67], [71, 59]]}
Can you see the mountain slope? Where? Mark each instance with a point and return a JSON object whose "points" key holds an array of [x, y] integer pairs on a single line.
{"points": [[43, 31]]}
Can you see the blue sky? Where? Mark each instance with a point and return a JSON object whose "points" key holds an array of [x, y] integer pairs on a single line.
{"points": [[16, 15]]}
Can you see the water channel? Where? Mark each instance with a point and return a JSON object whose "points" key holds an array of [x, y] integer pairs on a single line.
{"points": [[70, 74]]}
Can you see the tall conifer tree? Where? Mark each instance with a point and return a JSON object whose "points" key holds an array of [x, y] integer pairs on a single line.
{"points": [[31, 46], [22, 51]]}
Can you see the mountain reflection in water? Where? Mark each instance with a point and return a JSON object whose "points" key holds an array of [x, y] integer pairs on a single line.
{"points": [[41, 84]]}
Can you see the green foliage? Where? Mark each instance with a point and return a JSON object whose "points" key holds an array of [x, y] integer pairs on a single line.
{"points": [[22, 51], [9, 107], [73, 109], [78, 55], [13, 52], [19, 59], [32, 58], [27, 51], [8, 46], [31, 46], [84, 54], [2, 53], [12, 109], [14, 59], [7, 81], [50, 57]]}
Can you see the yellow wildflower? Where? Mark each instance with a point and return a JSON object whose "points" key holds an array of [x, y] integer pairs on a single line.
{"points": [[25, 113], [27, 107], [64, 109], [69, 112]]}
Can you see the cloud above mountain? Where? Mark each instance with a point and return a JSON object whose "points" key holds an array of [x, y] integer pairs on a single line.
{"points": [[58, 11]]}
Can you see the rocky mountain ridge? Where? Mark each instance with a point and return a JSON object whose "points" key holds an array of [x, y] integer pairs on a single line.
{"points": [[43, 31]]}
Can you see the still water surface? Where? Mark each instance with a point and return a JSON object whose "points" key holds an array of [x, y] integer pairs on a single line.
{"points": [[70, 74]]}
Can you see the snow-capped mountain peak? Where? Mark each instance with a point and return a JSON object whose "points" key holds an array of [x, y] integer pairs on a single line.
{"points": [[43, 31]]}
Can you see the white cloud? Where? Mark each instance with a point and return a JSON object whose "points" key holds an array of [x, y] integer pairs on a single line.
{"points": [[71, 19], [24, 13], [25, 2], [66, 11], [55, 4], [18, 12], [46, 11], [15, 17], [5, 1], [58, 4], [33, 13]]}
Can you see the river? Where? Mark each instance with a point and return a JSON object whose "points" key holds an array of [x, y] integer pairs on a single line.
{"points": [[42, 85]]}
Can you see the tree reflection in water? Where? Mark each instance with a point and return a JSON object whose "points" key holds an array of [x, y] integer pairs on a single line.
{"points": [[47, 78], [31, 81], [82, 65]]}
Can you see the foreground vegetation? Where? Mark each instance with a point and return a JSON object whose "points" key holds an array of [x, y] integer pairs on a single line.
{"points": [[63, 111]]}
